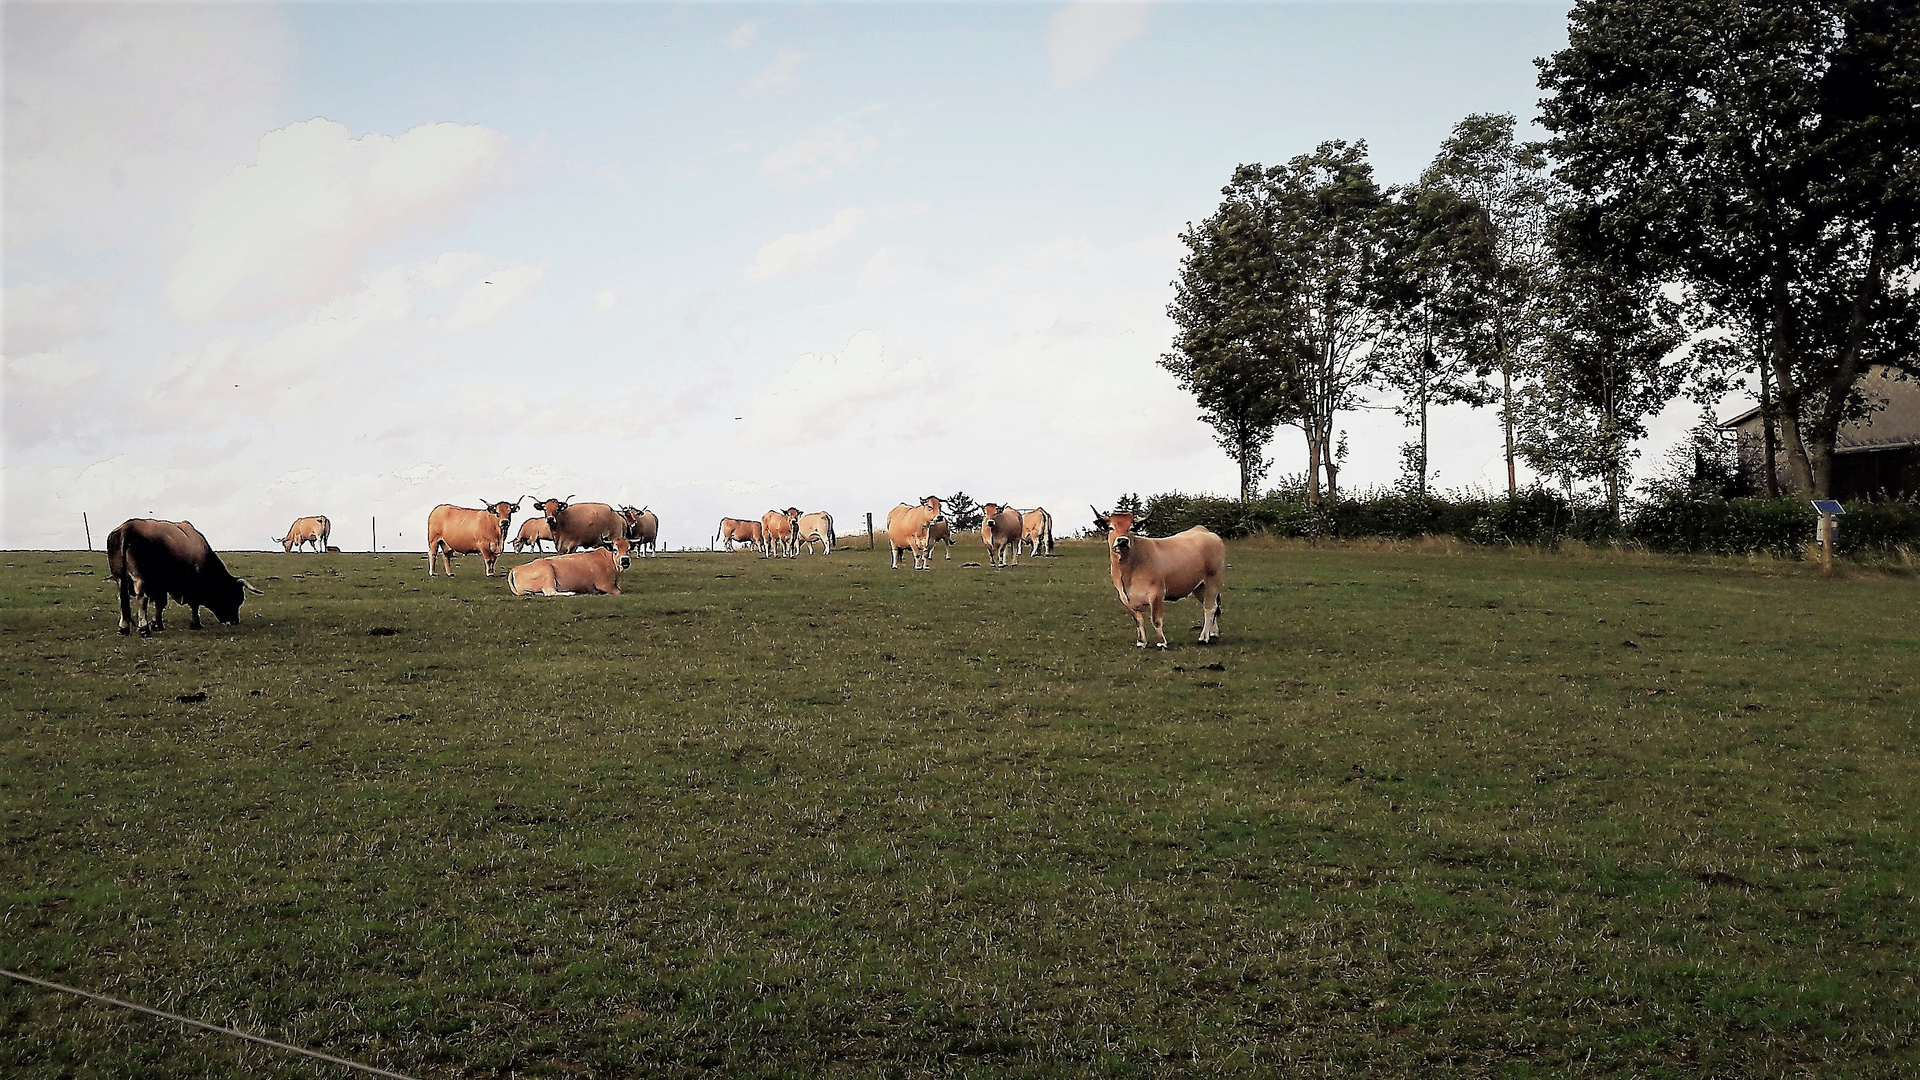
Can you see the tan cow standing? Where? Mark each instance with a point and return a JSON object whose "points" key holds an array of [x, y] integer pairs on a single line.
{"points": [[579, 526], [738, 531], [643, 528], [907, 528], [307, 530], [817, 528], [779, 532], [457, 530], [1001, 528], [1037, 530], [1148, 572], [595, 571], [533, 532]]}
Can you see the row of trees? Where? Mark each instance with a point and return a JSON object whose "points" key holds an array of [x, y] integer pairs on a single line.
{"points": [[1731, 188]]}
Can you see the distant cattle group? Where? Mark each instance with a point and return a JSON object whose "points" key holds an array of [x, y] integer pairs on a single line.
{"points": [[155, 561]]}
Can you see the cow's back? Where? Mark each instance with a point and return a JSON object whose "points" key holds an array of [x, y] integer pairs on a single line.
{"points": [[1184, 560]]}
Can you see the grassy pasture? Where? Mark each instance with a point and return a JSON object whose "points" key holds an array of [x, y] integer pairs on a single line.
{"points": [[1437, 814]]}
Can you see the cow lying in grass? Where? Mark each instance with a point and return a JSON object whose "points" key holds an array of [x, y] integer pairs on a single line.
{"points": [[1149, 572], [593, 571]]}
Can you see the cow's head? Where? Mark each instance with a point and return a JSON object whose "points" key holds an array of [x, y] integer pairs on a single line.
{"points": [[622, 549], [553, 508], [223, 598], [1120, 539], [931, 502]]}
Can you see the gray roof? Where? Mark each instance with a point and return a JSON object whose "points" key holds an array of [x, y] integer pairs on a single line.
{"points": [[1896, 423]]}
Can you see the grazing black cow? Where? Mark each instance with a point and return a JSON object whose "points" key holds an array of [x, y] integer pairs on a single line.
{"points": [[155, 560]]}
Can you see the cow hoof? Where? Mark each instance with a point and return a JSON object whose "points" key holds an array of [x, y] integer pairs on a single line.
{"points": [[1139, 644], [1161, 645], [125, 630]]}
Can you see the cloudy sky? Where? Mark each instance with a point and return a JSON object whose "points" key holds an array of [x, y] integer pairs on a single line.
{"points": [[264, 261]]}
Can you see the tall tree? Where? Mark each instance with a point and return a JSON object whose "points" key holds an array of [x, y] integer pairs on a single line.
{"points": [[1231, 349], [1482, 162], [1331, 227], [1605, 365], [1438, 248], [1766, 154]]}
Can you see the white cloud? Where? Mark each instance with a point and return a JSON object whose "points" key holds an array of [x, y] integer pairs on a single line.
{"points": [[51, 371], [293, 479], [36, 317], [779, 74], [421, 473], [820, 395], [1084, 35], [820, 153], [743, 36], [804, 250], [484, 302], [115, 116], [606, 300], [289, 228]]}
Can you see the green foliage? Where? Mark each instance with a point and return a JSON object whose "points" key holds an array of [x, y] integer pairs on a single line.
{"points": [[1767, 156], [1416, 816]]}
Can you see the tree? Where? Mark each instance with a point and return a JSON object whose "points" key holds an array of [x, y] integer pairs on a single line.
{"points": [[1604, 366], [1437, 247], [1482, 163], [961, 512], [1275, 306], [1766, 155], [1228, 311]]}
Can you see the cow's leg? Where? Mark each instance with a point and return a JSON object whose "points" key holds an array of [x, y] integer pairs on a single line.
{"points": [[1159, 625], [194, 622], [126, 605], [1210, 605], [487, 558], [896, 556], [146, 615], [160, 611], [1139, 624]]}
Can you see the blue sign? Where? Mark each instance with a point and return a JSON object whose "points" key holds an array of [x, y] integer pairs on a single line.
{"points": [[1828, 506]]}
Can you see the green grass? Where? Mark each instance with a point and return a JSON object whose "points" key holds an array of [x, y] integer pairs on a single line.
{"points": [[1430, 815]]}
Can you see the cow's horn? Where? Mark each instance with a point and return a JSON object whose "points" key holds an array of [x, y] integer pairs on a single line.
{"points": [[248, 585]]}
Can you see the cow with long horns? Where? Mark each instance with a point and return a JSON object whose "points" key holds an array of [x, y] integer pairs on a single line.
{"points": [[579, 526], [643, 528], [1148, 572], [907, 527], [155, 560]]}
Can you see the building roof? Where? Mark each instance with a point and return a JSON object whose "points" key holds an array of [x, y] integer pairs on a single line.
{"points": [[1895, 424]]}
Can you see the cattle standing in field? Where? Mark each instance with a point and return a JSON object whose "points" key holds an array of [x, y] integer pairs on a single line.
{"points": [[533, 533], [738, 531], [779, 530], [817, 528], [1001, 528], [940, 531], [1148, 572], [907, 528], [579, 526], [595, 571], [155, 560], [1037, 529], [643, 528], [457, 530], [308, 530]]}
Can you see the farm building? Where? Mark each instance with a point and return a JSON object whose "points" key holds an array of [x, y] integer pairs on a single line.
{"points": [[1877, 457]]}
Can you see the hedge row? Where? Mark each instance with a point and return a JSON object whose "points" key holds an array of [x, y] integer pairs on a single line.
{"points": [[1779, 527]]}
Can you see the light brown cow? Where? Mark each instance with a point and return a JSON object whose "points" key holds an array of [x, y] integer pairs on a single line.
{"points": [[1148, 572], [779, 532], [457, 530], [595, 571], [817, 528], [1001, 528], [739, 531], [907, 529], [579, 526], [533, 532], [643, 528], [941, 532], [1037, 530], [307, 530]]}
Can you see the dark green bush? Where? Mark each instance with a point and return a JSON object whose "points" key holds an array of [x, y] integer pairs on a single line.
{"points": [[1539, 518]]}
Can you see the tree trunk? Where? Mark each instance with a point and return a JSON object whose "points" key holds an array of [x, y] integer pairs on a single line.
{"points": [[1772, 488], [1506, 406], [1313, 460], [1421, 487], [1798, 465]]}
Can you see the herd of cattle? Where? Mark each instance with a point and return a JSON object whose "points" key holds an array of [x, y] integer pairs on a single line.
{"points": [[155, 560]]}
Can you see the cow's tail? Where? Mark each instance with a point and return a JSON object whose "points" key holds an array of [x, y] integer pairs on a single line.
{"points": [[1046, 526], [717, 532]]}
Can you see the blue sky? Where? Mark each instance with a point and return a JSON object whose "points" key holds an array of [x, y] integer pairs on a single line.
{"points": [[360, 259]]}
